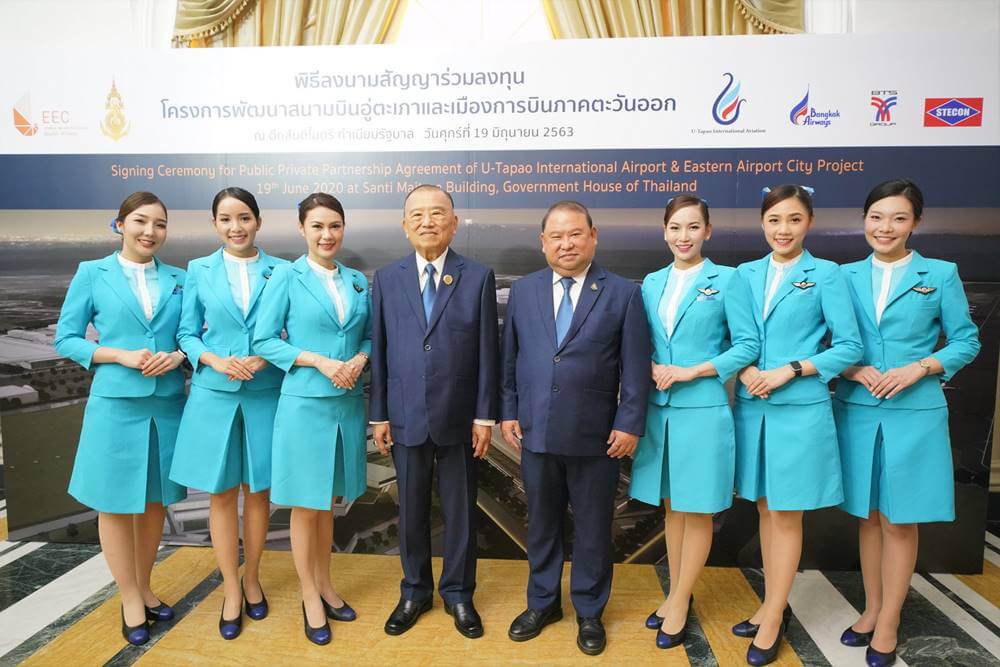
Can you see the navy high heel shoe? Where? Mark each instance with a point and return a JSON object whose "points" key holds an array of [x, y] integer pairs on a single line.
{"points": [[851, 637], [667, 640], [343, 613], [160, 612], [748, 629], [320, 635], [230, 628], [137, 635], [653, 622], [763, 656], [875, 658], [255, 610]]}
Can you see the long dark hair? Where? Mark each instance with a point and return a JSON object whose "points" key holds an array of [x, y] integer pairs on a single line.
{"points": [[320, 200], [239, 194], [783, 192]]}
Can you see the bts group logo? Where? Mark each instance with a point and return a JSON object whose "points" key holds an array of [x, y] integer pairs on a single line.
{"points": [[727, 105], [953, 112], [883, 101], [803, 114]]}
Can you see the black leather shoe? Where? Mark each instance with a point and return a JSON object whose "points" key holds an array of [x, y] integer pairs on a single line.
{"points": [[160, 612], [405, 615], [255, 610], [230, 628], [344, 613], [667, 640], [757, 656], [875, 658], [529, 623], [320, 635], [748, 629], [851, 637], [590, 638], [137, 635], [466, 617]]}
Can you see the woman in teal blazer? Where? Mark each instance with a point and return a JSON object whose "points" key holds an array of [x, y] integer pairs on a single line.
{"points": [[224, 441], [319, 429], [135, 403], [892, 417], [703, 332], [787, 458]]}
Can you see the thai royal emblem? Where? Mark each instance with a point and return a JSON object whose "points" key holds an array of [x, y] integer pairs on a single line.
{"points": [[115, 125]]}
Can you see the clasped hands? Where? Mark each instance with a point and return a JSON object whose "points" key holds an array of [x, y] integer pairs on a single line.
{"points": [[238, 368], [151, 364], [761, 383], [343, 374], [889, 383]]}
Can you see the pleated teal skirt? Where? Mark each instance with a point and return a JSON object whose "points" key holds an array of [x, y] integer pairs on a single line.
{"points": [[688, 456], [896, 461], [125, 452], [318, 451], [225, 440], [787, 454]]}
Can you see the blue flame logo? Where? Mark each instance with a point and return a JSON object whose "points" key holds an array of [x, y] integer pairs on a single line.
{"points": [[800, 112], [727, 105]]}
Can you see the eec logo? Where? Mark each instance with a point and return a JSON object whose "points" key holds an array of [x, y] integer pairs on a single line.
{"points": [[22, 117], [727, 105], [953, 112]]}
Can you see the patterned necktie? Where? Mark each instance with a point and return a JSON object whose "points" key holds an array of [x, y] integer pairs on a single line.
{"points": [[565, 314], [430, 292]]}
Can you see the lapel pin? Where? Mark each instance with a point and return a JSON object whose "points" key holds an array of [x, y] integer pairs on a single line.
{"points": [[447, 279], [923, 289], [803, 284], [593, 287], [358, 288], [708, 291], [178, 289]]}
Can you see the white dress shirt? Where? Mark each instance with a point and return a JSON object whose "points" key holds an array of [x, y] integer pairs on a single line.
{"points": [[333, 283], [892, 273], [574, 290], [438, 269], [679, 282], [777, 272], [239, 276], [143, 281]]}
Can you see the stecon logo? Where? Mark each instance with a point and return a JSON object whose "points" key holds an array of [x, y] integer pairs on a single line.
{"points": [[953, 112], [727, 105], [800, 112]]}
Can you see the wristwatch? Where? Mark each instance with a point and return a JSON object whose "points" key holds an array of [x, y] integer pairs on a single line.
{"points": [[926, 365], [796, 368]]}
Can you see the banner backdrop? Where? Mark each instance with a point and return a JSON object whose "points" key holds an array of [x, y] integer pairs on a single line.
{"points": [[621, 125]]}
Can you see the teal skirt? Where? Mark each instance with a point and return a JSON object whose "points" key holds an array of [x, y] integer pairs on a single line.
{"points": [[225, 440], [319, 451], [126, 446], [787, 454], [687, 455], [896, 461]]}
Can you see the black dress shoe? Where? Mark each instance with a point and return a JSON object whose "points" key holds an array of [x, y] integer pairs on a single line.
{"points": [[320, 635], [590, 638], [851, 637], [757, 656], [344, 613], [748, 629], [405, 615], [875, 658], [466, 617], [160, 612], [230, 628], [667, 640], [529, 623], [137, 635], [255, 610]]}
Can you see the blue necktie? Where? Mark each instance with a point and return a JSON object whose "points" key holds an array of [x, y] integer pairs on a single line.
{"points": [[430, 292], [564, 317]]}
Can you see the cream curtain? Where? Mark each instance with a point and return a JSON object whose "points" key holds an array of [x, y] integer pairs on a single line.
{"points": [[576, 19], [214, 23]]}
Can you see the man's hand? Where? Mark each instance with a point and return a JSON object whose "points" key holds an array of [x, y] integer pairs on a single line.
{"points": [[481, 436], [382, 435], [622, 444], [511, 431]]}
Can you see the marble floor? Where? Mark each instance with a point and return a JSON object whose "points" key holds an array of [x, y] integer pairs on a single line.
{"points": [[59, 606]]}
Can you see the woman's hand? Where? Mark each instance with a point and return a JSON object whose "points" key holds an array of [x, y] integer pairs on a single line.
{"points": [[350, 371], [162, 363], [133, 358], [329, 368], [666, 376], [896, 380], [232, 367], [867, 376]]}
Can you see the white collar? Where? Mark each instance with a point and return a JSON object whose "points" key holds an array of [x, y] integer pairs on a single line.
{"points": [[782, 266], [437, 263], [322, 270], [901, 262], [691, 270], [578, 278], [242, 260], [129, 264]]}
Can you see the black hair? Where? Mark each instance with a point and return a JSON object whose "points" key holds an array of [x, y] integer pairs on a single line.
{"points": [[898, 187], [136, 200], [320, 200], [675, 204], [567, 205], [783, 192], [240, 195]]}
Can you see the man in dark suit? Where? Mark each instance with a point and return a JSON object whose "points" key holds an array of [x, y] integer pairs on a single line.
{"points": [[434, 399], [575, 381]]}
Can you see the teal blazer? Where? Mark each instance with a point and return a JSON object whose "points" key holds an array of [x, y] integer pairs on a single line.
{"points": [[714, 323], [927, 301], [296, 301], [212, 322], [813, 301], [100, 293]]}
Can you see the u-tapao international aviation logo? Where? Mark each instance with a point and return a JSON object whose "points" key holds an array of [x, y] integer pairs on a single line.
{"points": [[727, 105], [22, 117], [115, 125]]}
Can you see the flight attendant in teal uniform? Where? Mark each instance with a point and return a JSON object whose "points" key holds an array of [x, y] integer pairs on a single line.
{"points": [[319, 428], [703, 330], [136, 399], [224, 442], [787, 459], [892, 417]]}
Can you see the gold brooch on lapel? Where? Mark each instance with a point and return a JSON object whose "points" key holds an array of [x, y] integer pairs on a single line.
{"points": [[803, 284], [923, 289], [447, 279], [708, 291], [593, 287]]}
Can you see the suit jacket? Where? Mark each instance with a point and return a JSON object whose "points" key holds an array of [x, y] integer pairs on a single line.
{"points": [[813, 302], [100, 293], [568, 397], [295, 301], [714, 323], [911, 325], [432, 379], [212, 322]]}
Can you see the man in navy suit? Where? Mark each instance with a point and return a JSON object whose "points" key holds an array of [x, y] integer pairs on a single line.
{"points": [[434, 399], [575, 381]]}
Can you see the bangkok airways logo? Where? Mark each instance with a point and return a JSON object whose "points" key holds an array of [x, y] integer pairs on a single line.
{"points": [[800, 112], [804, 115], [727, 105], [22, 117]]}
